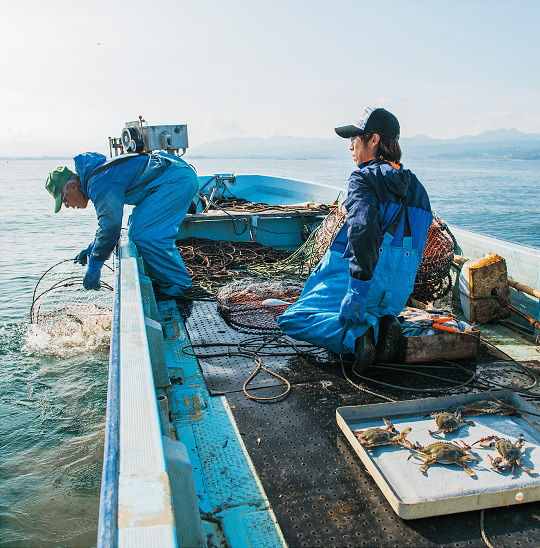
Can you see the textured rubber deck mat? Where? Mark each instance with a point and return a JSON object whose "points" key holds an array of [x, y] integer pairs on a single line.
{"points": [[323, 496], [225, 374]]}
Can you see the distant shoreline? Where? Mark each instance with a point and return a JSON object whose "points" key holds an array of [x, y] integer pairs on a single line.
{"points": [[3, 158], [457, 157], [505, 144]]}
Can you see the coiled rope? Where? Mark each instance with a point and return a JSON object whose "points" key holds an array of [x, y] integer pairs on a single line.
{"points": [[254, 348]]}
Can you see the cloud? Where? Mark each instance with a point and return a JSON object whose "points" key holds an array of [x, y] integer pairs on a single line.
{"points": [[225, 126], [494, 119], [530, 124], [447, 102], [383, 101]]}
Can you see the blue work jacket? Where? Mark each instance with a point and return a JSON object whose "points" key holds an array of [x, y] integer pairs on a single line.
{"points": [[375, 196], [127, 183]]}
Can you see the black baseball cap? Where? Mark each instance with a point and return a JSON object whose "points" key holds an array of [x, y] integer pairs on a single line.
{"points": [[372, 120]]}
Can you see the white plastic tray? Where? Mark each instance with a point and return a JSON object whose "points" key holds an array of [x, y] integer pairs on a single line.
{"points": [[446, 489]]}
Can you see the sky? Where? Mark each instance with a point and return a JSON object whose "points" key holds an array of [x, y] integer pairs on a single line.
{"points": [[73, 72]]}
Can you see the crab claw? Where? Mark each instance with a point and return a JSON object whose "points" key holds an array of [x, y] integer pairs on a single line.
{"points": [[481, 441], [496, 463], [520, 441]]}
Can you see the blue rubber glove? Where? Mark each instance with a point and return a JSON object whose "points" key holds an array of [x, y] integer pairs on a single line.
{"points": [[82, 257], [93, 272], [353, 306]]}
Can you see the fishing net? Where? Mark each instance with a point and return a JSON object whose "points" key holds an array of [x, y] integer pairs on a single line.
{"points": [[213, 263], [254, 305], [65, 314], [328, 229], [433, 279], [301, 263]]}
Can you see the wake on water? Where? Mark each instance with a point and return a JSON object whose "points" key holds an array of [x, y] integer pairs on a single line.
{"points": [[54, 399], [88, 331]]}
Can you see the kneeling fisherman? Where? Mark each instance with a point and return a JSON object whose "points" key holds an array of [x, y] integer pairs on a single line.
{"points": [[161, 186], [350, 301]]}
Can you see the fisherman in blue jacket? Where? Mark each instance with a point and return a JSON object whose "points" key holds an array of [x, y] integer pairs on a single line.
{"points": [[350, 302], [161, 186]]}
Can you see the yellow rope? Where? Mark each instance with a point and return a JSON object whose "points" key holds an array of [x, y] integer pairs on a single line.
{"points": [[483, 532], [260, 367]]}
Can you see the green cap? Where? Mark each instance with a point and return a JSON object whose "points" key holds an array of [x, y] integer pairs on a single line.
{"points": [[56, 181]]}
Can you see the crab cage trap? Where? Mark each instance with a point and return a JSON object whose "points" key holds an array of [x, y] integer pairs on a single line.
{"points": [[254, 305], [433, 279], [61, 307]]}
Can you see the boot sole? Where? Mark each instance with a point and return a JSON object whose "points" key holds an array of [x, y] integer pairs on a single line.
{"points": [[367, 357], [388, 343]]}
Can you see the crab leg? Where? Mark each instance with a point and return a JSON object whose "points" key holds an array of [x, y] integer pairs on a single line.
{"points": [[524, 468], [427, 463], [467, 469]]}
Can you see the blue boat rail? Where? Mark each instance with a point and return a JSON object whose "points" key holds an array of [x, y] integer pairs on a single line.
{"points": [[136, 503], [108, 515]]}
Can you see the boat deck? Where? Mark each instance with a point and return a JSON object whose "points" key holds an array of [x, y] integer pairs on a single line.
{"points": [[195, 459], [316, 486]]}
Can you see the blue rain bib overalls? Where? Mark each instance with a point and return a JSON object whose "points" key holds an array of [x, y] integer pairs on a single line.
{"points": [[315, 316], [161, 186]]}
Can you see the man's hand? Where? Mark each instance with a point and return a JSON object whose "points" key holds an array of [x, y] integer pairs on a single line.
{"points": [[93, 273], [82, 257], [353, 306]]}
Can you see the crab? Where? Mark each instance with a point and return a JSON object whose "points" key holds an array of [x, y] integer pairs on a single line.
{"points": [[373, 437], [444, 452], [447, 422], [509, 453], [487, 407]]}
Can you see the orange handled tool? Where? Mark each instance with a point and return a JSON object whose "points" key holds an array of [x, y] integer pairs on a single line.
{"points": [[436, 323]]}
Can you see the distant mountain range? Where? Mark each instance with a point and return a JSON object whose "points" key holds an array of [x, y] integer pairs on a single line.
{"points": [[501, 143], [496, 144], [22, 149]]}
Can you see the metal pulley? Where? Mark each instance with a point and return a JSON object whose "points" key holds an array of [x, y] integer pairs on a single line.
{"points": [[131, 140]]}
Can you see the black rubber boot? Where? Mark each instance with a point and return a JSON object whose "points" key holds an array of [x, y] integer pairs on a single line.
{"points": [[364, 352], [387, 349]]}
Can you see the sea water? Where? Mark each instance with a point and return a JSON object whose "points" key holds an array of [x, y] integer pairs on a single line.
{"points": [[53, 398], [52, 391]]}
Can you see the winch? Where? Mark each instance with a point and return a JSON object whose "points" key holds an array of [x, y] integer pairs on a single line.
{"points": [[138, 136]]}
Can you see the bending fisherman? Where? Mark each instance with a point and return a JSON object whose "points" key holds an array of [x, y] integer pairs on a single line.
{"points": [[160, 186], [350, 302]]}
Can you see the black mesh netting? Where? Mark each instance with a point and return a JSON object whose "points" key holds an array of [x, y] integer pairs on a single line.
{"points": [[254, 305]]}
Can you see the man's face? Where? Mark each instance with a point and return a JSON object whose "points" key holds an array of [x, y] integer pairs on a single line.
{"points": [[363, 152], [72, 196]]}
